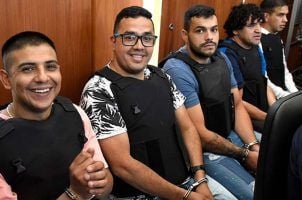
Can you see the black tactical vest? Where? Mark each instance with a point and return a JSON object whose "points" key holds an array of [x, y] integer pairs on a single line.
{"points": [[254, 89], [215, 95], [273, 53], [147, 108], [35, 155]]}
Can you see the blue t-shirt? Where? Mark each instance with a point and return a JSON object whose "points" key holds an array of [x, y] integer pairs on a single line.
{"points": [[185, 79]]}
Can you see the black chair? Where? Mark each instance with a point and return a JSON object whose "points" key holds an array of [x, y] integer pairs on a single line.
{"points": [[283, 118]]}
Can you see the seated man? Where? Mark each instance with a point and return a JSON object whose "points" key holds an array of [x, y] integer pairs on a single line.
{"points": [[48, 149], [241, 47], [213, 103], [280, 79], [134, 109]]}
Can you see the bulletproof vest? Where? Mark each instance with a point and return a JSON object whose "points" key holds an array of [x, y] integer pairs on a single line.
{"points": [[273, 53], [35, 155], [147, 109], [215, 95], [254, 89]]}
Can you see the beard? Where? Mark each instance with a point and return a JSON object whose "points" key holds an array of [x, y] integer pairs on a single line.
{"points": [[197, 50]]}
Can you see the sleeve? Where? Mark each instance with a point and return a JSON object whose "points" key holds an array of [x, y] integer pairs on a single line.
{"points": [[232, 77], [236, 68], [92, 141], [98, 102], [184, 80], [5, 190], [178, 97], [289, 82], [278, 91]]}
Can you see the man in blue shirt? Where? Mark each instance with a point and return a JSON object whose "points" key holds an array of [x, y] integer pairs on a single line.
{"points": [[213, 102]]}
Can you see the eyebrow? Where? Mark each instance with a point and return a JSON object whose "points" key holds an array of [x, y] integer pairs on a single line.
{"points": [[131, 32], [34, 63], [203, 27]]}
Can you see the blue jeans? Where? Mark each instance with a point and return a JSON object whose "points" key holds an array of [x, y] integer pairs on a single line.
{"points": [[218, 191], [229, 173]]}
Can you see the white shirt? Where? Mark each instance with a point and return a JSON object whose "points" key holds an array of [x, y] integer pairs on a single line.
{"points": [[288, 78]]}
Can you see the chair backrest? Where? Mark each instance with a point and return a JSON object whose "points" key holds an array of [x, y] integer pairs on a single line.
{"points": [[283, 118]]}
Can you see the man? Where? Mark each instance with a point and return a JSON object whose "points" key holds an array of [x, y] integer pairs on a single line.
{"points": [[280, 79], [134, 109], [44, 153], [243, 29], [205, 77]]}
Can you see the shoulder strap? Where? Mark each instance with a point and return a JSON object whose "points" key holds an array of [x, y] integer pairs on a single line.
{"points": [[181, 56], [5, 128], [65, 103]]}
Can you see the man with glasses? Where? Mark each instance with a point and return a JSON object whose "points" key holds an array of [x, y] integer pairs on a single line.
{"points": [[134, 108], [241, 47]]}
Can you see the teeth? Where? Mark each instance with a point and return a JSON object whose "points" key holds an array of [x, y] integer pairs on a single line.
{"points": [[42, 90]]}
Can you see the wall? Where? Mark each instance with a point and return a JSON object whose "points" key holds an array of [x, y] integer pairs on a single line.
{"points": [[79, 28]]}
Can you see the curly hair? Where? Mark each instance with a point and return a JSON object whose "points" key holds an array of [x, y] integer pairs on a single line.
{"points": [[239, 17]]}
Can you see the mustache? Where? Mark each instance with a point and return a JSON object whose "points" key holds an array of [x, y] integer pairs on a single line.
{"points": [[206, 43]]}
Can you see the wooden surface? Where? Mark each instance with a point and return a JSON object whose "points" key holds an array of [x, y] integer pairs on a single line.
{"points": [[79, 28]]}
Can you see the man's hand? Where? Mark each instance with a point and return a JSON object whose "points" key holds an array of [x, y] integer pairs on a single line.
{"points": [[251, 161], [204, 190], [87, 176]]}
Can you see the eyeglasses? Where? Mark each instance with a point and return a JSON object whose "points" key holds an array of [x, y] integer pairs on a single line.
{"points": [[131, 39]]}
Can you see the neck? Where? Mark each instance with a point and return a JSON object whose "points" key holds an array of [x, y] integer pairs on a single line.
{"points": [[240, 43], [267, 27], [116, 67], [16, 111], [199, 59]]}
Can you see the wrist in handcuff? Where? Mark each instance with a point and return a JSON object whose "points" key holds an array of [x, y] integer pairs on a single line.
{"points": [[74, 196], [250, 145], [194, 186]]}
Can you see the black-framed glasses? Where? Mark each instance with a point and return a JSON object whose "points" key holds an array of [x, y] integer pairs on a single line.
{"points": [[129, 39]]}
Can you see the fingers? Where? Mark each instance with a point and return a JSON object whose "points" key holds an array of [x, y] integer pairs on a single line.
{"points": [[82, 157]]}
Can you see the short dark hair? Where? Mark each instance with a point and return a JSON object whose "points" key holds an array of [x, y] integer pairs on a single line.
{"points": [[133, 12], [239, 17], [268, 6], [21, 40], [197, 11]]}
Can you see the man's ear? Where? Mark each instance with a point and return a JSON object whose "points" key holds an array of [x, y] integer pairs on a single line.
{"points": [[113, 40], [266, 16], [4, 77], [184, 36], [235, 32]]}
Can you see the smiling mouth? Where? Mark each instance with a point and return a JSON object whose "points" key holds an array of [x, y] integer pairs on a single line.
{"points": [[41, 91]]}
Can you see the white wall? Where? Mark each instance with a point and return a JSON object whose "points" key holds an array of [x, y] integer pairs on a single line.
{"points": [[155, 8]]}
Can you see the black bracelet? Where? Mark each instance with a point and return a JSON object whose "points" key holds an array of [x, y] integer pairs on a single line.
{"points": [[194, 169]]}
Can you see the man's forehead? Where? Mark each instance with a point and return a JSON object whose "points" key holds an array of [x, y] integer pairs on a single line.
{"points": [[281, 9], [135, 23], [208, 22]]}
